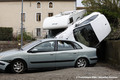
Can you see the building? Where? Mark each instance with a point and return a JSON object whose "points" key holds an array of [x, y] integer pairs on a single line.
{"points": [[34, 13]]}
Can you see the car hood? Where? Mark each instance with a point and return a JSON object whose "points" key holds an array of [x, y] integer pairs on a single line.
{"points": [[10, 52]]}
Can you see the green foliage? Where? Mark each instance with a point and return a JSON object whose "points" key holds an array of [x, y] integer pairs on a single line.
{"points": [[26, 37], [109, 8], [6, 34]]}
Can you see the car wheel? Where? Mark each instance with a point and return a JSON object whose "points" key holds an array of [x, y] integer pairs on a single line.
{"points": [[18, 66], [82, 62]]}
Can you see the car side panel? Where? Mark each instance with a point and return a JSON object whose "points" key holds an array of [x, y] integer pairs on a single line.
{"points": [[88, 53], [66, 58], [43, 59]]}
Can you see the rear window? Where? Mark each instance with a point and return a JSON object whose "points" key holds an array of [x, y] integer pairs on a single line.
{"points": [[65, 45], [77, 46]]}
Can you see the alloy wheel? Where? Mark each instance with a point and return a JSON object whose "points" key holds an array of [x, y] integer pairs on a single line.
{"points": [[81, 62], [18, 67]]}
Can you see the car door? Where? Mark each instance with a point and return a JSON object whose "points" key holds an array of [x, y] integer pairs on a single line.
{"points": [[66, 53], [42, 55]]}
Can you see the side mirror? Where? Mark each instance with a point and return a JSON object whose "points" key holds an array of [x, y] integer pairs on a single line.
{"points": [[30, 51]]}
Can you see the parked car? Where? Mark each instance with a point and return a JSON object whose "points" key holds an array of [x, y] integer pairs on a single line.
{"points": [[48, 53]]}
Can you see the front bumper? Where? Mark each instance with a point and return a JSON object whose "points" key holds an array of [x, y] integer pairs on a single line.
{"points": [[3, 65]]}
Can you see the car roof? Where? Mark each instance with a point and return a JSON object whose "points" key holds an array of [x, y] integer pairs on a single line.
{"points": [[49, 39], [28, 46]]}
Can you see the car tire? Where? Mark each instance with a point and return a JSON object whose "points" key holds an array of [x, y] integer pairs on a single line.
{"points": [[81, 62], [18, 66]]}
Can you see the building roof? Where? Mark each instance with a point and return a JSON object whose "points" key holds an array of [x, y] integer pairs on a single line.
{"points": [[33, 0]]}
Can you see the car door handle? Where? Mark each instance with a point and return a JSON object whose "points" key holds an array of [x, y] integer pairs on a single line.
{"points": [[51, 54], [74, 53]]}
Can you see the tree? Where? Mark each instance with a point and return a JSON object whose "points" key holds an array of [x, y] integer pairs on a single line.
{"points": [[110, 8]]}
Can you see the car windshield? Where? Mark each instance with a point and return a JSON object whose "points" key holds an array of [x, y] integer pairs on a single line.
{"points": [[29, 45], [86, 35]]}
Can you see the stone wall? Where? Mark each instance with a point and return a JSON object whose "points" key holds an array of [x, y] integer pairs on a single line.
{"points": [[7, 45]]}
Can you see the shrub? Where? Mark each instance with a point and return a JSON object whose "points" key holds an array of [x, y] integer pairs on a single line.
{"points": [[6, 34], [26, 37]]}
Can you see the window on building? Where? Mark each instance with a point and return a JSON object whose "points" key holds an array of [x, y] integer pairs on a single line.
{"points": [[50, 14], [50, 5], [38, 5], [23, 17], [38, 32], [38, 16]]}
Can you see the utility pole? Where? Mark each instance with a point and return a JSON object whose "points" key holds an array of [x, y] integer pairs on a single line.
{"points": [[22, 25], [75, 4]]}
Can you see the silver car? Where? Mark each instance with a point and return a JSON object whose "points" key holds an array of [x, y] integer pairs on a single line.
{"points": [[48, 53]]}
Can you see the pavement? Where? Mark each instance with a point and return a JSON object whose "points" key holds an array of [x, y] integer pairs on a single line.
{"points": [[101, 71]]}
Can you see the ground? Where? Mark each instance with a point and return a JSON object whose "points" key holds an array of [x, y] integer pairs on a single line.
{"points": [[102, 71]]}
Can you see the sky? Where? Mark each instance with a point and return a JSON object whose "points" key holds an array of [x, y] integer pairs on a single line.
{"points": [[79, 4]]}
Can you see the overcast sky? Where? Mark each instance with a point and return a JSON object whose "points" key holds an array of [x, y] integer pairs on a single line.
{"points": [[79, 4]]}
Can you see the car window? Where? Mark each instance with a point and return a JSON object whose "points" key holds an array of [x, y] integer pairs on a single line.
{"points": [[65, 45], [77, 46], [44, 47], [29, 45]]}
